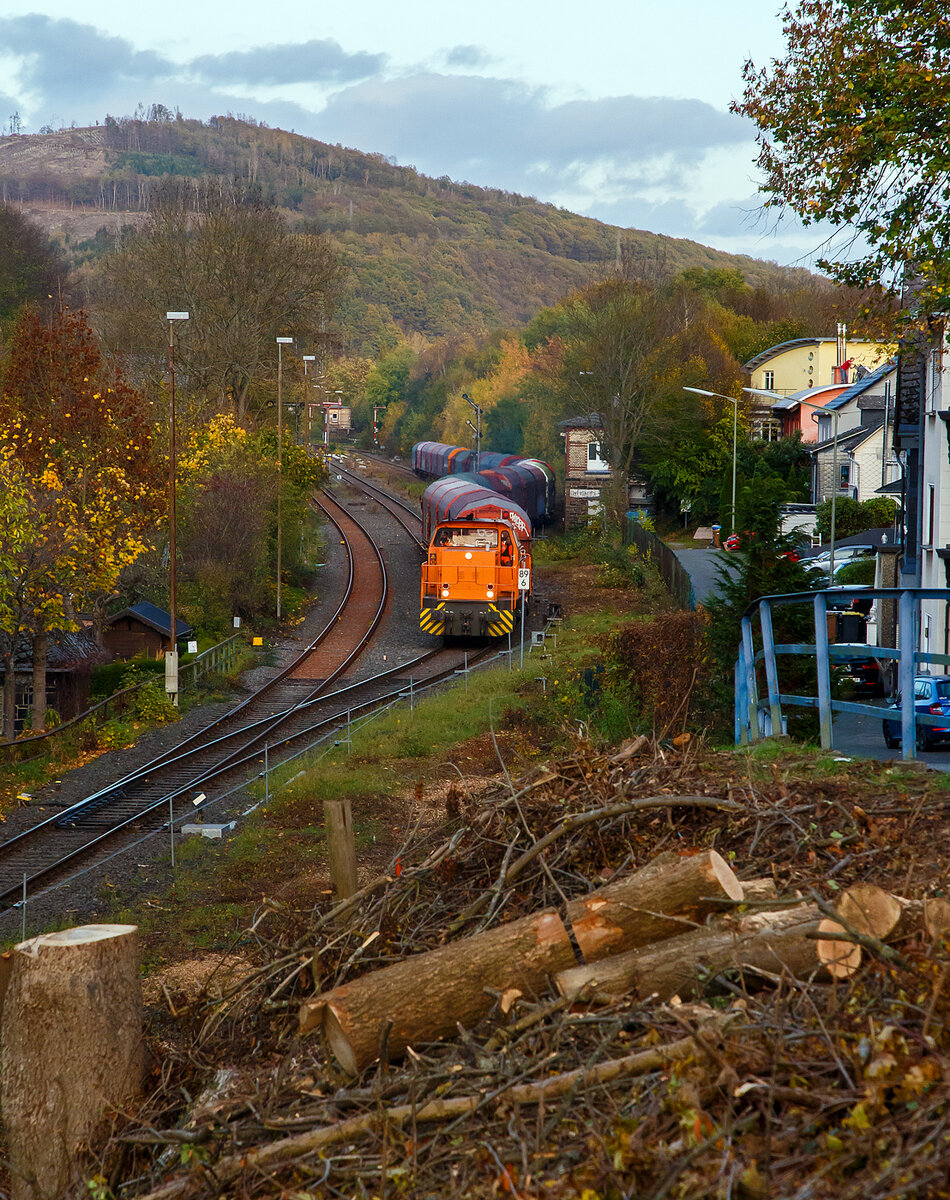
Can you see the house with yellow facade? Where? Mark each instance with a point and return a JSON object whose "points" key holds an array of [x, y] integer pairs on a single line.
{"points": [[813, 362]]}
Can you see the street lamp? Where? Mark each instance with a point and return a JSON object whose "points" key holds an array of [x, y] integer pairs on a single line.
{"points": [[281, 343], [477, 430], [171, 658], [834, 414], [735, 432]]}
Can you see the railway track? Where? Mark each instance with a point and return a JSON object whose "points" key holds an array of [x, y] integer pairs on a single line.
{"points": [[407, 515], [291, 711]]}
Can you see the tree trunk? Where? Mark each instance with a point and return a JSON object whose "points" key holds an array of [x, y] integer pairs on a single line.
{"points": [[72, 1047], [427, 996], [9, 697], [39, 682], [634, 911], [775, 942]]}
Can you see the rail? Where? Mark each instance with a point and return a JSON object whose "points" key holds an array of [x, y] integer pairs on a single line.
{"points": [[219, 657], [755, 718]]}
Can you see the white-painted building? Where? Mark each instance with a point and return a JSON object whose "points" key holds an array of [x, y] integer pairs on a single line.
{"points": [[933, 494]]}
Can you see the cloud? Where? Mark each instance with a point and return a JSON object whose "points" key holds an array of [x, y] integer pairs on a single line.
{"points": [[659, 163], [470, 122], [317, 61], [64, 62], [467, 56]]}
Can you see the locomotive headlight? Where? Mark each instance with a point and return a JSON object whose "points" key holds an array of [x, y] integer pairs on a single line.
{"points": [[491, 593], [445, 589]]}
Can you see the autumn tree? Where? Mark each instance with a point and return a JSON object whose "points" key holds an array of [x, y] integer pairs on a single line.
{"points": [[229, 260], [853, 131], [32, 267], [77, 442]]}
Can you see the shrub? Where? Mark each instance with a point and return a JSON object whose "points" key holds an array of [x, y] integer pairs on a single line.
{"points": [[657, 664]]}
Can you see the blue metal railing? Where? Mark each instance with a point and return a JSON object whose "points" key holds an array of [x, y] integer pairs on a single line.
{"points": [[750, 709]]}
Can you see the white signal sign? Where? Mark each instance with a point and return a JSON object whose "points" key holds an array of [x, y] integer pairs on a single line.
{"points": [[524, 579]]}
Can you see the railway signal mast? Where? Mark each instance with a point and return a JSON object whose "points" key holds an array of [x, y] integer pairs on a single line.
{"points": [[477, 430]]}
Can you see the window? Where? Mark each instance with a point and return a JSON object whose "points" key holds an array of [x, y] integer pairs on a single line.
{"points": [[768, 380], [595, 460], [844, 476], [934, 381], [930, 514]]}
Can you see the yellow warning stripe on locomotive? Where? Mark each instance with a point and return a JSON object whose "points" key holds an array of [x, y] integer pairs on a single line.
{"points": [[431, 621], [501, 621]]}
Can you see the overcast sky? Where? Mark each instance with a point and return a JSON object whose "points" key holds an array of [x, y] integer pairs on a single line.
{"points": [[617, 109]]}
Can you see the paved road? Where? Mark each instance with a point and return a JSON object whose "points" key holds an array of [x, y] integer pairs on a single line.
{"points": [[703, 567], [861, 737]]}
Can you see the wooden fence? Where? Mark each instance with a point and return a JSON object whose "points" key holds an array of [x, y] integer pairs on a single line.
{"points": [[672, 571]]}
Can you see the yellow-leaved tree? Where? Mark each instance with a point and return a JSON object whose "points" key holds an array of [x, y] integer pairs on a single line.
{"points": [[78, 456]]}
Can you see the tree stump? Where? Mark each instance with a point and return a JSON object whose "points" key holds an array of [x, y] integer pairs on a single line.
{"points": [[72, 1047]]}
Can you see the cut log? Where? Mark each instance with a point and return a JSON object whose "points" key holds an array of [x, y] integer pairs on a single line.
{"points": [[840, 957], [72, 1047], [426, 997], [661, 900], [937, 917], [774, 942], [757, 890], [870, 910]]}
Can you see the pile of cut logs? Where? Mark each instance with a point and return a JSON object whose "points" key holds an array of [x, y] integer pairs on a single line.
{"points": [[663, 931]]}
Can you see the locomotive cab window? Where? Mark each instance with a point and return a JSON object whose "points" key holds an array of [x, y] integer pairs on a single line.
{"points": [[475, 539]]}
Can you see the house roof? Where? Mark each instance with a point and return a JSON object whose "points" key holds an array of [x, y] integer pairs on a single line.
{"points": [[154, 617], [588, 421], [65, 651], [773, 351], [849, 440], [862, 385]]}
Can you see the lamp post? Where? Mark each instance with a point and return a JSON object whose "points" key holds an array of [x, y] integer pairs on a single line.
{"points": [[307, 359], [477, 430], [171, 658], [834, 414], [281, 343], [735, 440]]}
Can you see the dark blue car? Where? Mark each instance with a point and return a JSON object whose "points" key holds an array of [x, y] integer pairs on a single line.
{"points": [[932, 697]]}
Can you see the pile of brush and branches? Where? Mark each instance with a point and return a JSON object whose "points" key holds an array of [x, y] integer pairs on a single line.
{"points": [[634, 974]]}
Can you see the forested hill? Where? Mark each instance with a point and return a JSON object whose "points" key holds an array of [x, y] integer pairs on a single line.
{"points": [[426, 256]]}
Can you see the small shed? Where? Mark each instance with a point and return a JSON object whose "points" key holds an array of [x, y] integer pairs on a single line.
{"points": [[144, 629], [70, 658]]}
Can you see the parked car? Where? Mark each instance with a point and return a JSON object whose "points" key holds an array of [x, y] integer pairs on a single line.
{"points": [[863, 675], [931, 697]]}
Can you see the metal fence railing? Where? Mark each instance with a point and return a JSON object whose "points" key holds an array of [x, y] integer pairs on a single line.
{"points": [[672, 571], [759, 655], [216, 658]]}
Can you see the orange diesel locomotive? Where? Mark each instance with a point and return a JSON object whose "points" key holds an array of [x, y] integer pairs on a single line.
{"points": [[478, 568]]}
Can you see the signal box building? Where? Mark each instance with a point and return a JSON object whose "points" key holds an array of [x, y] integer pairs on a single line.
{"points": [[588, 475]]}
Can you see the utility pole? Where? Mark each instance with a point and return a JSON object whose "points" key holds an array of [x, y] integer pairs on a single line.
{"points": [[281, 342], [171, 657]]}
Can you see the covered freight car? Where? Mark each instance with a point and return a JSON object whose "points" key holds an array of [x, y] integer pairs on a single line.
{"points": [[528, 482], [478, 567]]}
